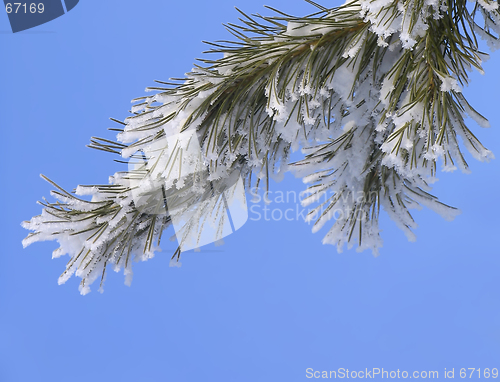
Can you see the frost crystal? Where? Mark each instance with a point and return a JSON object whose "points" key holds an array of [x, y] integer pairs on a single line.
{"points": [[370, 90]]}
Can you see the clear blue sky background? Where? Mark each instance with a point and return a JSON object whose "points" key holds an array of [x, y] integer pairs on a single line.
{"points": [[273, 301]]}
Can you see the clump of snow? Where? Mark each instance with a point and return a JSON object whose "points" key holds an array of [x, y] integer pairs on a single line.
{"points": [[449, 83]]}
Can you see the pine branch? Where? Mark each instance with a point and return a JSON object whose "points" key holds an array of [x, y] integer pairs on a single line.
{"points": [[370, 90]]}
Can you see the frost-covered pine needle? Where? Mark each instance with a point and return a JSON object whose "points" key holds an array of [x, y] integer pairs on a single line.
{"points": [[371, 92]]}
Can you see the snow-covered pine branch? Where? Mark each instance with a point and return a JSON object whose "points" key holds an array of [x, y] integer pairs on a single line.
{"points": [[371, 92]]}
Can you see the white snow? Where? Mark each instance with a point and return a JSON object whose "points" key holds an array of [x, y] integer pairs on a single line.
{"points": [[337, 120]]}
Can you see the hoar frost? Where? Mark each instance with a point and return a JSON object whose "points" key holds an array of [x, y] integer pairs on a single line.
{"points": [[369, 91]]}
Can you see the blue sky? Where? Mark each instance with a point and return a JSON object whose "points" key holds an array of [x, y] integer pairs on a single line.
{"points": [[272, 301]]}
